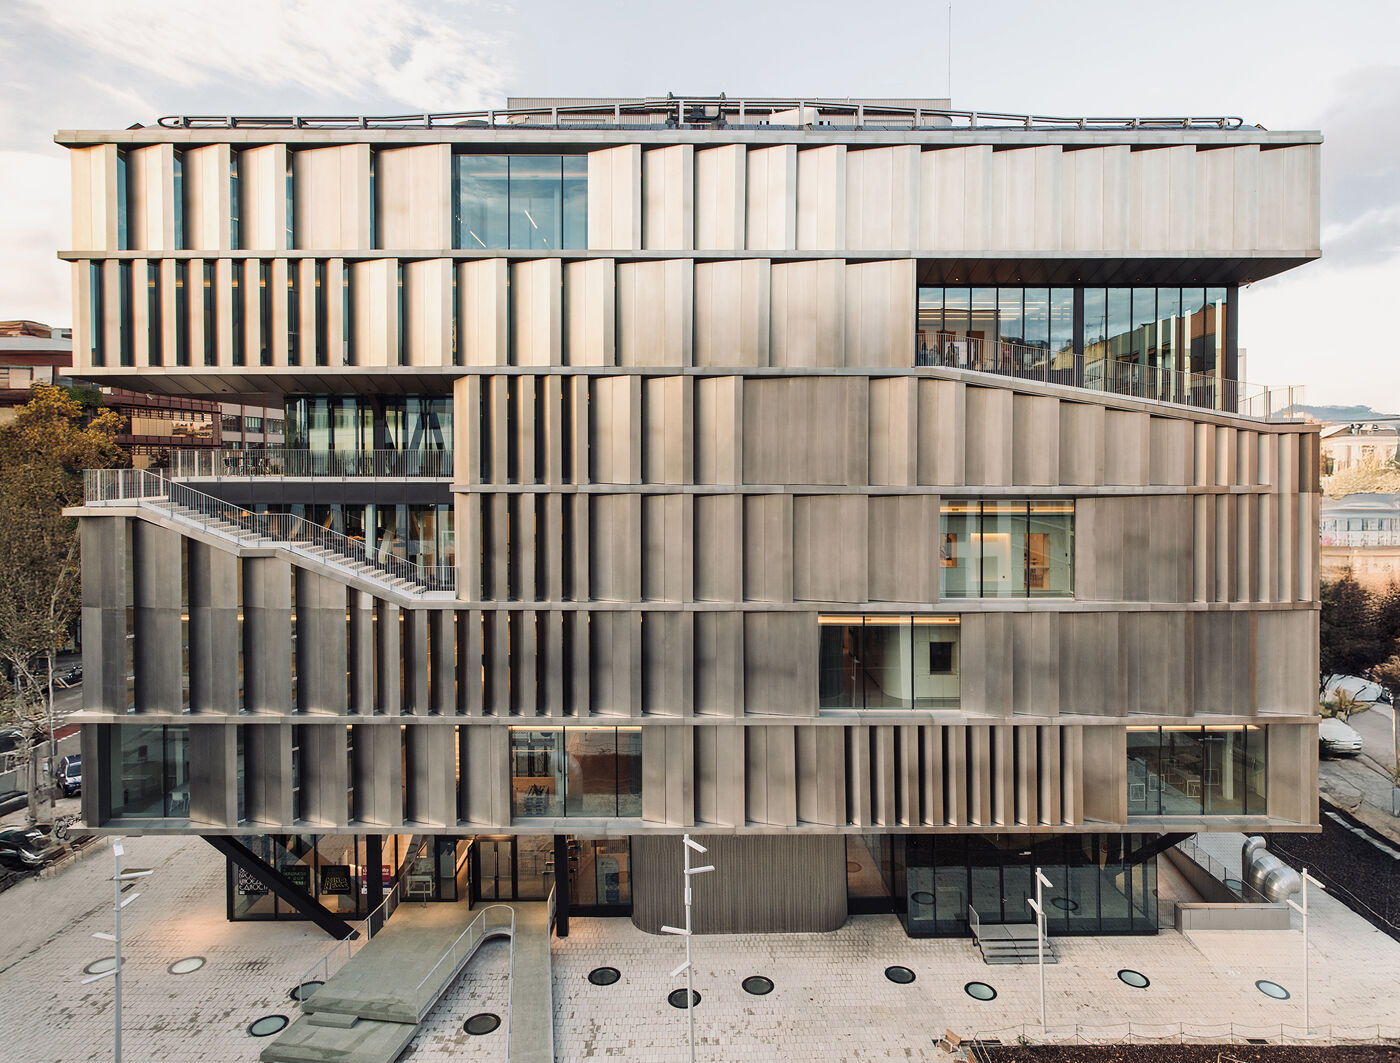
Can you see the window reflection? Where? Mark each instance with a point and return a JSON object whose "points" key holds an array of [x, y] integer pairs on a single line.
{"points": [[889, 662], [526, 202], [1193, 770], [576, 771], [1007, 549], [1015, 331], [149, 772]]}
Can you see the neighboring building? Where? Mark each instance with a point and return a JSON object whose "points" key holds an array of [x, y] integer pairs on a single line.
{"points": [[1345, 446], [871, 494], [153, 425], [1361, 533]]}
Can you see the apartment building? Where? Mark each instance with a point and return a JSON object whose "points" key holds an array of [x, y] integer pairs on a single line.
{"points": [[865, 486]]}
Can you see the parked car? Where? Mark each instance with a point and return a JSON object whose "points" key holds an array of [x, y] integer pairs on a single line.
{"points": [[11, 740], [1362, 690], [70, 676], [22, 847], [1337, 739], [70, 775]]}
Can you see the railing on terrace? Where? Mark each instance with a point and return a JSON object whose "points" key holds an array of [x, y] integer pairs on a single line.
{"points": [[154, 491], [1206, 391], [709, 112], [339, 954], [493, 919], [1360, 538], [205, 464]]}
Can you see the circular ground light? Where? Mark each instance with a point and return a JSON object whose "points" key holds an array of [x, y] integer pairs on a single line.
{"points": [[921, 897], [980, 991], [267, 1025], [188, 965], [1064, 904], [899, 975], [102, 966], [301, 992], [676, 998], [483, 1022], [604, 975], [1136, 979], [852, 866], [757, 984], [1272, 989], [1234, 884]]}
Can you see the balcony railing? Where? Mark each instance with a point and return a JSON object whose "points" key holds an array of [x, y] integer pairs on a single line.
{"points": [[1207, 391], [205, 464], [1361, 538], [152, 490]]}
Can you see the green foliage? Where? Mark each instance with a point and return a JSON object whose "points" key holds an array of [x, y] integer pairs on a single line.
{"points": [[1343, 705], [1349, 642], [43, 453]]}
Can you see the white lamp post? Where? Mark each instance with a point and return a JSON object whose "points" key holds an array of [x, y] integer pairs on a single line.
{"points": [[1303, 910], [1038, 907], [116, 938], [686, 933]]}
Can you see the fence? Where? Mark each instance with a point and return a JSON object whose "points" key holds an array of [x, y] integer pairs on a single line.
{"points": [[205, 464], [1126, 1033], [1128, 379], [340, 953], [155, 491]]}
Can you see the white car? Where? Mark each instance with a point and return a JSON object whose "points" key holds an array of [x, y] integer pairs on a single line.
{"points": [[1337, 739], [1360, 689]]}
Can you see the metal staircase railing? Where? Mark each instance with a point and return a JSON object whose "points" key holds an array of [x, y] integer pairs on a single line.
{"points": [[305, 538]]}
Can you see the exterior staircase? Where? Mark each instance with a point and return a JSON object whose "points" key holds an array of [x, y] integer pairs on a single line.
{"points": [[1009, 942], [305, 540]]}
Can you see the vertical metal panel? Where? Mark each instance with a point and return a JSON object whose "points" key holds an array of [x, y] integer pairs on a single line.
{"points": [[808, 315], [732, 313], [882, 198], [881, 300], [590, 312], [331, 197], [719, 664], [536, 313], [771, 199], [615, 198], [482, 312], [668, 198], [821, 198], [720, 197], [415, 196], [655, 308]]}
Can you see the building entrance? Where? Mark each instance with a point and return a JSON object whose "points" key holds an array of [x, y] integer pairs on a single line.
{"points": [[512, 867]]}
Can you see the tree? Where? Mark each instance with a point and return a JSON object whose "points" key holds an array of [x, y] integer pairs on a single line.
{"points": [[1366, 476], [1348, 643], [1342, 705], [43, 453]]}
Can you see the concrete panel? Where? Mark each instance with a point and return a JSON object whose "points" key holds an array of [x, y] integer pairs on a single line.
{"points": [[590, 312], [414, 187], [615, 198], [808, 317], [668, 198], [536, 313], [771, 199], [482, 312], [720, 198], [732, 313], [655, 309], [882, 198]]}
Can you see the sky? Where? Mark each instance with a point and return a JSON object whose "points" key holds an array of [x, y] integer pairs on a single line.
{"points": [[1282, 64]]}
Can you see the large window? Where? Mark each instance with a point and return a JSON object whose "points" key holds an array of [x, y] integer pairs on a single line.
{"points": [[591, 772], [889, 662], [1195, 770], [524, 202], [1160, 343], [1007, 548], [148, 771], [1020, 331]]}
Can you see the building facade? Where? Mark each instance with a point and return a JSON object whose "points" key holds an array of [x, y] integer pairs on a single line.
{"points": [[1361, 535], [865, 486]]}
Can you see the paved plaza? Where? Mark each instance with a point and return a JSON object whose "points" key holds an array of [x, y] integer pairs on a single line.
{"points": [[831, 1000]]}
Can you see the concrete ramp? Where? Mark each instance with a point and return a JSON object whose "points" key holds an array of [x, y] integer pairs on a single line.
{"points": [[369, 1010]]}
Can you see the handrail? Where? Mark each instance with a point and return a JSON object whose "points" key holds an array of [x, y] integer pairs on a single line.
{"points": [[294, 463], [361, 934], [1208, 391], [478, 937], [708, 112], [155, 491]]}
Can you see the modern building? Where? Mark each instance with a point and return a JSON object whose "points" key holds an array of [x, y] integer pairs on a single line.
{"points": [[864, 486], [1361, 535]]}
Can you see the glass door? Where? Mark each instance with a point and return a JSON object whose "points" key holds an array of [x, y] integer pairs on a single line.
{"points": [[495, 869]]}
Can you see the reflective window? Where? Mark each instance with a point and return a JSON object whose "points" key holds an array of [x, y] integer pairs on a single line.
{"points": [[576, 771], [97, 314], [1160, 343], [527, 202], [123, 205], [1195, 770], [889, 662], [1015, 331], [1007, 549], [149, 772]]}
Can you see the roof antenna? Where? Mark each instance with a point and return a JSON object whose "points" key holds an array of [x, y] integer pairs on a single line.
{"points": [[950, 53]]}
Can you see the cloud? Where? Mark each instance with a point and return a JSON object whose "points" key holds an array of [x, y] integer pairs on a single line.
{"points": [[427, 58], [33, 282]]}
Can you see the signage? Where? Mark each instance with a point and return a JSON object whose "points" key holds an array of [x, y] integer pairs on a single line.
{"points": [[609, 883], [335, 880], [299, 875], [249, 885]]}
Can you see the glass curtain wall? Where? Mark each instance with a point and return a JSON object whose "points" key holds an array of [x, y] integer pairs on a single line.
{"points": [[1193, 771], [1014, 331], [1166, 344], [889, 662], [1101, 883], [576, 771], [148, 769], [524, 202], [1007, 548]]}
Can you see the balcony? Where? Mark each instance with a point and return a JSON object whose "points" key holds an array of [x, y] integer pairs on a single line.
{"points": [[205, 464], [1205, 391]]}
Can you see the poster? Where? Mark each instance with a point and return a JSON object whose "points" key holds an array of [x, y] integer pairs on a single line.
{"points": [[335, 880], [249, 885], [299, 875]]}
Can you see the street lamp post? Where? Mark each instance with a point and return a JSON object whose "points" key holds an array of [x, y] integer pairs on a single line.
{"points": [[116, 939], [685, 932], [1038, 907], [1302, 909]]}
